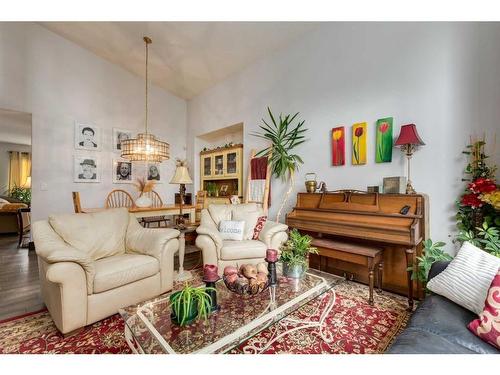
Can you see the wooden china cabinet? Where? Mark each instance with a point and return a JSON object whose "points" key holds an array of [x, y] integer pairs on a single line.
{"points": [[221, 173]]}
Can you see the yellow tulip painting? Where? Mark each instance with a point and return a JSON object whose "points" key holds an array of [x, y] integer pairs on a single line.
{"points": [[338, 146], [359, 143]]}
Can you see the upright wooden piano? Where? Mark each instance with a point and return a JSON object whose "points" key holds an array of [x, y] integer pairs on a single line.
{"points": [[396, 222]]}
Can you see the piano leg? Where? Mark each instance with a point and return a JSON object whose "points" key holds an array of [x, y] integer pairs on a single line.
{"points": [[380, 275], [409, 265]]}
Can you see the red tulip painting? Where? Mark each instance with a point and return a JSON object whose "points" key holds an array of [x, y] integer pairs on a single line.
{"points": [[338, 146], [384, 141], [359, 143]]}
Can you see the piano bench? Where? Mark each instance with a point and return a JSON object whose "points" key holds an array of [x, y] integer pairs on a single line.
{"points": [[354, 253]]}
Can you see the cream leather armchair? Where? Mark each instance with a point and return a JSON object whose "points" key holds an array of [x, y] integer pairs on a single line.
{"points": [[93, 264], [226, 252]]}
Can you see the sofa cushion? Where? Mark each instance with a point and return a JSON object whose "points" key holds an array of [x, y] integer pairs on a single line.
{"points": [[241, 209], [415, 341], [443, 324], [250, 219], [219, 212], [115, 271], [100, 234], [467, 278], [246, 249]]}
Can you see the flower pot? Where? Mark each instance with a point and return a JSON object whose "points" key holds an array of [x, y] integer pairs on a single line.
{"points": [[143, 201], [295, 271], [191, 316]]}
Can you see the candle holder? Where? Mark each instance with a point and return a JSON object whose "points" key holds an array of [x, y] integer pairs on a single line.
{"points": [[210, 277], [213, 295], [272, 259]]}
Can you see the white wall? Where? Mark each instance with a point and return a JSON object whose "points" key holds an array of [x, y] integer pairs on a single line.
{"points": [[5, 161], [60, 83], [343, 73]]}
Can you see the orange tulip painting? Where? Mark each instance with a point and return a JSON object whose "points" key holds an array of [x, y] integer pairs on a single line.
{"points": [[384, 141], [359, 143], [338, 146]]}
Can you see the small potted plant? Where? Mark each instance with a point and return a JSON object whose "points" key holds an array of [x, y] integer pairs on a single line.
{"points": [[190, 304], [294, 254]]}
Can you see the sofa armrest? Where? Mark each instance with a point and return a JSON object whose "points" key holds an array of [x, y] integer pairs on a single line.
{"points": [[52, 249], [271, 228], [212, 232], [148, 241], [437, 268]]}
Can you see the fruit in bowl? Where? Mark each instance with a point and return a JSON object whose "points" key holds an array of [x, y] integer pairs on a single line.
{"points": [[249, 279]]}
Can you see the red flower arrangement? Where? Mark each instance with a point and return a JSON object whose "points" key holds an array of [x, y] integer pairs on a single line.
{"points": [[471, 200], [482, 185]]}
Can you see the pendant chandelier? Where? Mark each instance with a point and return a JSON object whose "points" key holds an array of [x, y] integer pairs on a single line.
{"points": [[145, 147]]}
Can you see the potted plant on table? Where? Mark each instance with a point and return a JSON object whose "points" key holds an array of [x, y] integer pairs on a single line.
{"points": [[190, 304], [294, 254]]}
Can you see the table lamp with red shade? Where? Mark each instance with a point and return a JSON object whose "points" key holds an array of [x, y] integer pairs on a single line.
{"points": [[409, 141]]}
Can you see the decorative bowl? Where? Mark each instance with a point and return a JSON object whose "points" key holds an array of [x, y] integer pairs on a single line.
{"points": [[245, 289]]}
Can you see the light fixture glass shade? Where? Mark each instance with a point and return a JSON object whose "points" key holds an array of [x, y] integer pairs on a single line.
{"points": [[145, 147], [181, 176]]}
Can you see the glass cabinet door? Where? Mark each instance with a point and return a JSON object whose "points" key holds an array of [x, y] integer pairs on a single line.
{"points": [[219, 165], [231, 162], [207, 166]]}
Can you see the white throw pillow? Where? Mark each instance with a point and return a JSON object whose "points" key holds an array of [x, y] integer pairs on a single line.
{"points": [[231, 229], [467, 278], [250, 219]]}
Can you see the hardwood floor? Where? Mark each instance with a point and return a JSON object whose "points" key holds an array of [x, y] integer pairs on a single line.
{"points": [[19, 282], [19, 287]]}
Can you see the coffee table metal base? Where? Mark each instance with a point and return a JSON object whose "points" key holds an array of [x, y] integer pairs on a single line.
{"points": [[299, 325]]}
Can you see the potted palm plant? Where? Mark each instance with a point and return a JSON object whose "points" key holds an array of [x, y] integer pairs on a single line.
{"points": [[190, 304], [294, 254], [284, 138]]}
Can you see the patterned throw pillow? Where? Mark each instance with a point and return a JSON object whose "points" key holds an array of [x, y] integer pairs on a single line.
{"points": [[487, 327], [258, 227], [231, 229]]}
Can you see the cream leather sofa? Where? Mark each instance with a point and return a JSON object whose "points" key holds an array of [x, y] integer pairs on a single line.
{"points": [[226, 252], [93, 264]]}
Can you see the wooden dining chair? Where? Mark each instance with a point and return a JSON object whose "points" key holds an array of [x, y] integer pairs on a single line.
{"points": [[119, 198], [77, 206], [156, 202], [24, 226]]}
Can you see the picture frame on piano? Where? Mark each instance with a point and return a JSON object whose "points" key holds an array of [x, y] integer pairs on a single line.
{"points": [[394, 185]]}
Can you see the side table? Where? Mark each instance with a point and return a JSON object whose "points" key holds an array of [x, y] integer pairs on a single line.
{"points": [[183, 275]]}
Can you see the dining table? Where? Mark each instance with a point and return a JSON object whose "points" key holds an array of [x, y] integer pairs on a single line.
{"points": [[165, 210]]}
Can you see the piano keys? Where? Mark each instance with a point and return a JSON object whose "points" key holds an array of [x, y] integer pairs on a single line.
{"points": [[396, 222]]}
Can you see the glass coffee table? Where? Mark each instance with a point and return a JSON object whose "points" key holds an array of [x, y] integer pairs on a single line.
{"points": [[148, 328]]}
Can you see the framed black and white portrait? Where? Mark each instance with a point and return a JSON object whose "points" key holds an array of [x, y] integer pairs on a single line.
{"points": [[120, 135], [122, 171], [153, 172], [87, 137], [87, 169]]}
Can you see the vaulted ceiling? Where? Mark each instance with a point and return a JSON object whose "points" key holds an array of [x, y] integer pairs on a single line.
{"points": [[186, 57]]}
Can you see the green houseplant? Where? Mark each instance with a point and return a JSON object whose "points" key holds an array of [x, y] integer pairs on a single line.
{"points": [[190, 304], [433, 252], [284, 138], [21, 193], [294, 254]]}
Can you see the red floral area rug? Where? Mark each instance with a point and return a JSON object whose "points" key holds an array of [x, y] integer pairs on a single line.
{"points": [[353, 325]]}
